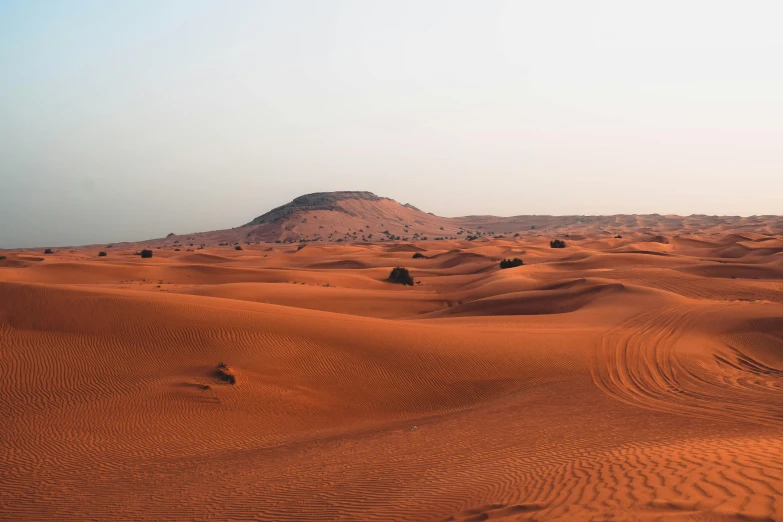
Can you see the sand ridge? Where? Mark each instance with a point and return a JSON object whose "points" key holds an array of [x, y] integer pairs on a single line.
{"points": [[633, 378]]}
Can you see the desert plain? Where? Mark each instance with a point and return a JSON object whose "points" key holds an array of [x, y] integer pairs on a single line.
{"points": [[637, 377]]}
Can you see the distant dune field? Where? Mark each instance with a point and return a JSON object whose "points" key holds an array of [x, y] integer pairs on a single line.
{"points": [[620, 378]]}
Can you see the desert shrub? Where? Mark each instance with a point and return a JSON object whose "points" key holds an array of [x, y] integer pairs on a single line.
{"points": [[48, 251], [511, 263], [225, 374], [419, 255], [146, 253], [557, 243], [176, 250], [618, 236], [237, 247], [400, 275], [101, 254], [2, 257]]}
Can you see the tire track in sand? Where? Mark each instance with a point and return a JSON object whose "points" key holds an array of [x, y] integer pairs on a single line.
{"points": [[653, 362]]}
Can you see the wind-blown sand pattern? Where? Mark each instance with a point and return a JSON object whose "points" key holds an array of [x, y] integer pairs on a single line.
{"points": [[634, 378]]}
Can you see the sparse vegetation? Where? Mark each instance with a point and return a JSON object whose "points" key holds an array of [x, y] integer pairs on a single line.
{"points": [[419, 255], [401, 275], [557, 243], [2, 257], [48, 251], [618, 236], [146, 253], [511, 263], [101, 254], [225, 373], [237, 247]]}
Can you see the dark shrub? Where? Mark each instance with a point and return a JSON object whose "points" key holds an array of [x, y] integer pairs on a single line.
{"points": [[48, 251], [618, 236], [511, 263], [401, 275], [557, 244], [2, 257], [419, 255], [226, 374], [237, 247], [146, 253], [101, 254]]}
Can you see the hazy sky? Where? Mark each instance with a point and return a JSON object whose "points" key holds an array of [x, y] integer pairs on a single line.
{"points": [[129, 120]]}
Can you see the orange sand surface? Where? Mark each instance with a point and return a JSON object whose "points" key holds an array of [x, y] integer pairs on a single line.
{"points": [[634, 378]]}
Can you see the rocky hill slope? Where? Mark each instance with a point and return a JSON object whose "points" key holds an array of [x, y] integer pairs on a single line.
{"points": [[358, 216]]}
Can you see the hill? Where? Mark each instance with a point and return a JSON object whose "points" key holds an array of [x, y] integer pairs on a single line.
{"points": [[360, 216], [347, 216]]}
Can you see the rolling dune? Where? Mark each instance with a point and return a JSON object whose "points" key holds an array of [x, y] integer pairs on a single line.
{"points": [[635, 378]]}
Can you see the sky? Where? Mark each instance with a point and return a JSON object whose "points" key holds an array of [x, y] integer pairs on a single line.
{"points": [[127, 120]]}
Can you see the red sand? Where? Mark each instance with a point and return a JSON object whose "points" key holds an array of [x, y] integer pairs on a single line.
{"points": [[614, 379]]}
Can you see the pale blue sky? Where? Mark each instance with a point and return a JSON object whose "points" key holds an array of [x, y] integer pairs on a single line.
{"points": [[129, 120]]}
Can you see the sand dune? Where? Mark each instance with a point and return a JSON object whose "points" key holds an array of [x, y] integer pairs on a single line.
{"points": [[634, 378]]}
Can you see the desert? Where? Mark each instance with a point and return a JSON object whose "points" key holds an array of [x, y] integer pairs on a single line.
{"points": [[273, 372]]}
